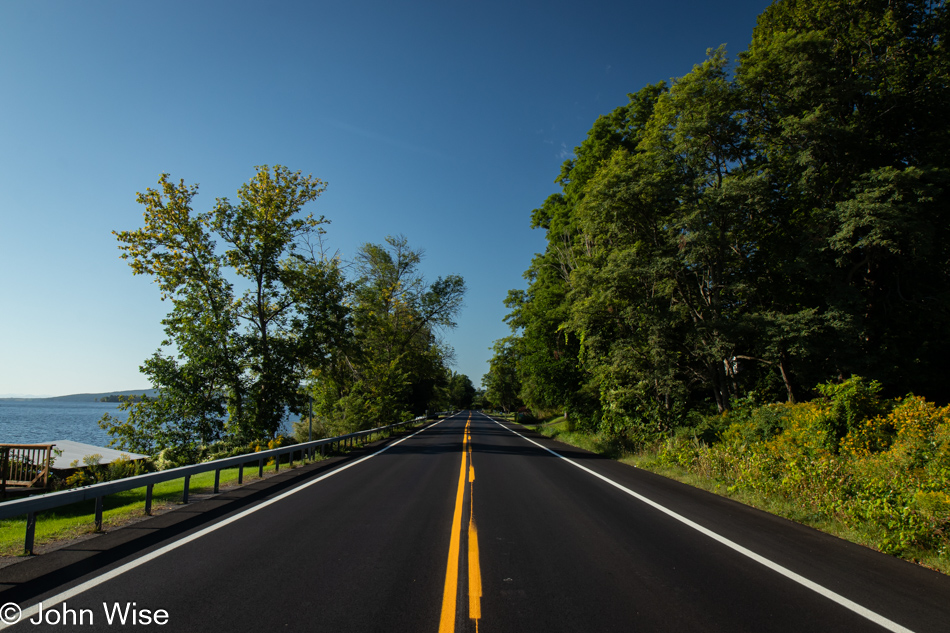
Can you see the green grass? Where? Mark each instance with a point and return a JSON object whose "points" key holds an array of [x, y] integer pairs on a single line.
{"points": [[557, 429], [74, 520]]}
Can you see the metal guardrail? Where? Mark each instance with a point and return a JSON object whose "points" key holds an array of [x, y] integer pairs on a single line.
{"points": [[32, 505]]}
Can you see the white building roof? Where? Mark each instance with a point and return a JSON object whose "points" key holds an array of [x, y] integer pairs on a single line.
{"points": [[78, 450]]}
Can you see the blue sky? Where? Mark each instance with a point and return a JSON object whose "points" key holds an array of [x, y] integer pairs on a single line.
{"points": [[443, 121]]}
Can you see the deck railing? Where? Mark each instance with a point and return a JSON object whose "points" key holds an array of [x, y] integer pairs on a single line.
{"points": [[24, 465]]}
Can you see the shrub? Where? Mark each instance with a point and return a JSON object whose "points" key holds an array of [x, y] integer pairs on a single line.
{"points": [[852, 402], [880, 466], [900, 496], [94, 471]]}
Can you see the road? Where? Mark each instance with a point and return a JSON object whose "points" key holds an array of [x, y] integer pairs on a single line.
{"points": [[472, 525]]}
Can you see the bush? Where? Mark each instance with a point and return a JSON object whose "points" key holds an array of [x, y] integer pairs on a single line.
{"points": [[853, 402], [94, 471], [302, 429], [899, 497], [882, 467]]}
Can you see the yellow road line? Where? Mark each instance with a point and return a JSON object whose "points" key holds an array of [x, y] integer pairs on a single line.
{"points": [[474, 575], [474, 568], [450, 590]]}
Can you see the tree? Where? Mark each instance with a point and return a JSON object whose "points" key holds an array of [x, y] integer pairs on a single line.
{"points": [[751, 235], [394, 365], [502, 387], [236, 361], [846, 106], [550, 369], [461, 392]]}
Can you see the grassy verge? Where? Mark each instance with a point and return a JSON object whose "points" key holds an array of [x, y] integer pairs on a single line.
{"points": [[780, 506], [557, 428], [75, 520]]}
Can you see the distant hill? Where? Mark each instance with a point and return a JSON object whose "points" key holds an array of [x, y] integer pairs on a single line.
{"points": [[107, 397]]}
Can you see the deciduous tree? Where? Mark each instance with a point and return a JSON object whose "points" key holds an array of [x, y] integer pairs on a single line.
{"points": [[233, 362]]}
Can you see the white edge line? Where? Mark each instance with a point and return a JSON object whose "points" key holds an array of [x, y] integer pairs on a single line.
{"points": [[890, 625], [118, 571]]}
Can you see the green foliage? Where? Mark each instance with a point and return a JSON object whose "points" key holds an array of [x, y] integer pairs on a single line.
{"points": [[237, 360], [888, 481], [852, 403], [392, 365], [753, 229], [307, 429], [93, 471], [502, 387], [461, 392]]}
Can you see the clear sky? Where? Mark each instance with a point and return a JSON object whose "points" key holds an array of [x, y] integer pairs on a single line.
{"points": [[443, 121]]}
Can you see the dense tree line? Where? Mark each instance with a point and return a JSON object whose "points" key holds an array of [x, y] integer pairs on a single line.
{"points": [[263, 322], [751, 229]]}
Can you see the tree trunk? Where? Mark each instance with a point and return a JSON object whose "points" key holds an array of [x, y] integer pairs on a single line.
{"points": [[720, 387], [783, 365]]}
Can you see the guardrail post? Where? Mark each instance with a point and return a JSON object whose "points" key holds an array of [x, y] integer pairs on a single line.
{"points": [[260, 467], [184, 496], [276, 463], [240, 474], [30, 531], [217, 480], [99, 514], [148, 499], [4, 460]]}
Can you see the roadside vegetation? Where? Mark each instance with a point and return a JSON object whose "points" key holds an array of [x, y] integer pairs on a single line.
{"points": [[747, 275], [875, 471], [265, 322]]}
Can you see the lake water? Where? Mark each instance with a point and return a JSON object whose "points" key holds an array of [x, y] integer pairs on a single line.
{"points": [[36, 421]]}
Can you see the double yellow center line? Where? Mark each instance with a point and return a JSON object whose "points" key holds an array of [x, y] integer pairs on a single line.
{"points": [[450, 591]]}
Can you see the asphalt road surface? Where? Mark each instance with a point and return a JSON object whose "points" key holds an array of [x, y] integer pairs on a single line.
{"points": [[470, 525]]}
